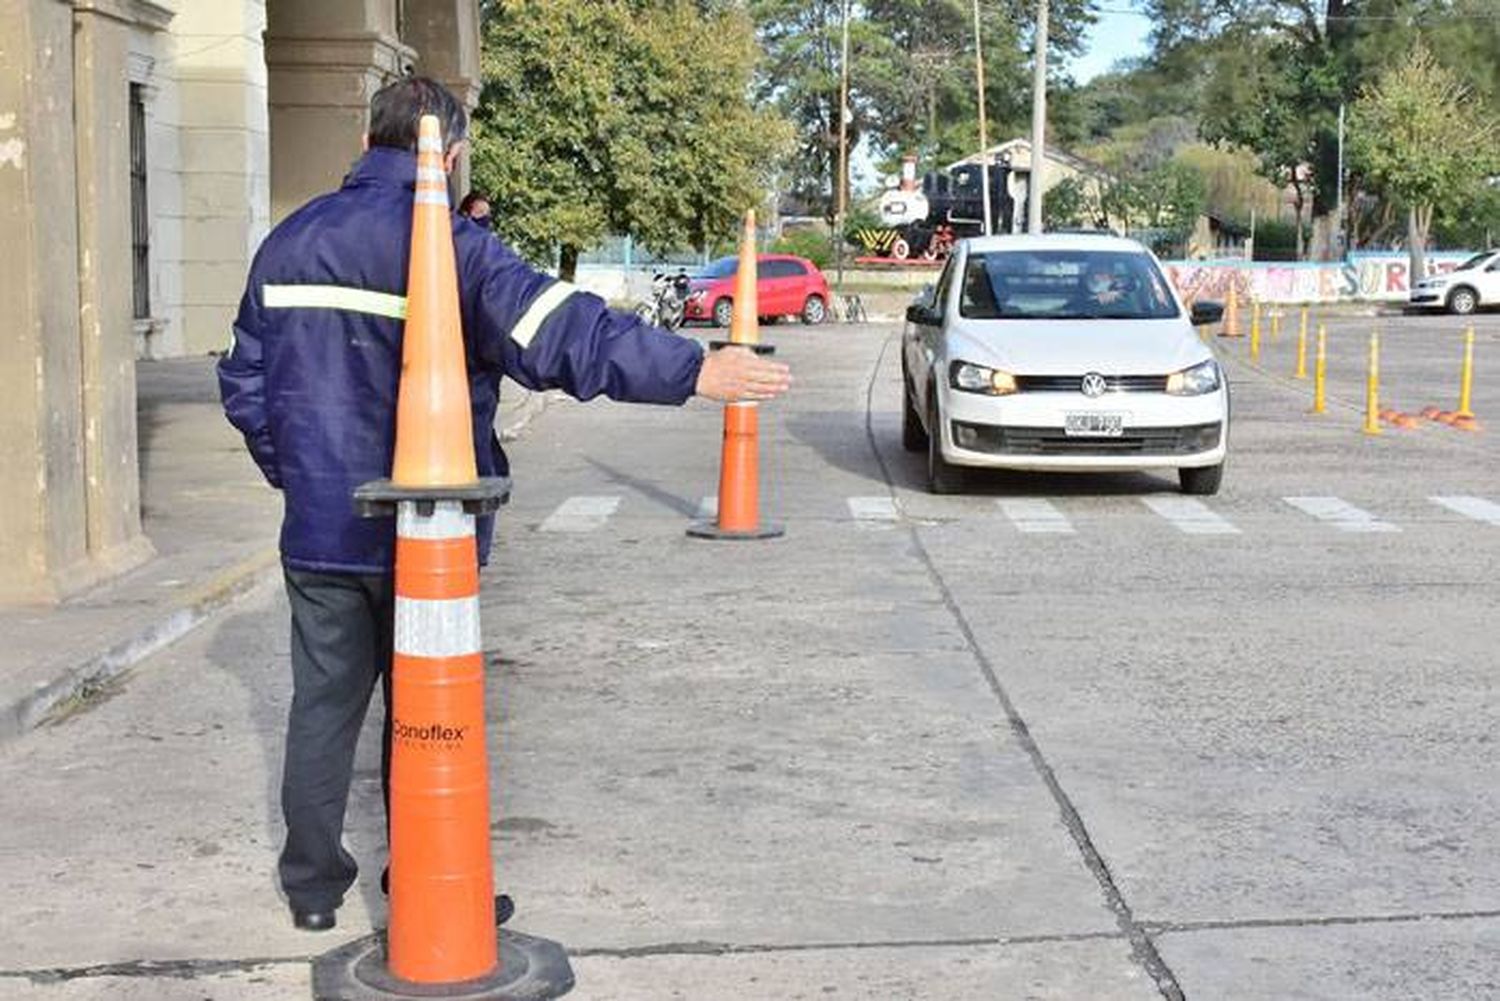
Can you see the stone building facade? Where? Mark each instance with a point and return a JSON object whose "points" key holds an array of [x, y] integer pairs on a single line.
{"points": [[146, 147]]}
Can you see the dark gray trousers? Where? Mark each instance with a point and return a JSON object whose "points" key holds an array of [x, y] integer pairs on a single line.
{"points": [[341, 646]]}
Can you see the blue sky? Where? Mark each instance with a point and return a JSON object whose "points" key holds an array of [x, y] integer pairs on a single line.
{"points": [[1117, 35]]}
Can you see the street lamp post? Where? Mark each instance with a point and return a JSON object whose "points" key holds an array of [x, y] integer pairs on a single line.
{"points": [[984, 144], [1038, 124], [843, 178]]}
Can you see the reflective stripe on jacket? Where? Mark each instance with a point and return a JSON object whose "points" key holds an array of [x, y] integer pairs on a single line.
{"points": [[311, 376]]}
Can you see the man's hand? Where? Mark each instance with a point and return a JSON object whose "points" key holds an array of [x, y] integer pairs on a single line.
{"points": [[736, 373]]}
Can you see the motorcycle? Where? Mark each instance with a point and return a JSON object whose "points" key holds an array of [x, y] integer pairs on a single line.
{"points": [[666, 307]]}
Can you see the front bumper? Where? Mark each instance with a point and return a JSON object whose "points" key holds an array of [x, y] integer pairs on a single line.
{"points": [[1025, 431], [1428, 298]]}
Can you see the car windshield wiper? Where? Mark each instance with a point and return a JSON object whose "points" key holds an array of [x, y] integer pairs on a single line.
{"points": [[1076, 316]]}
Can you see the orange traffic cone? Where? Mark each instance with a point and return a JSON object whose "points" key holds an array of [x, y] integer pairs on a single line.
{"points": [[443, 920], [739, 470], [1231, 312]]}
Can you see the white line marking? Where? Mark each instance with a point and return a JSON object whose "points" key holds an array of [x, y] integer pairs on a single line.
{"points": [[581, 514], [874, 511], [1471, 507], [1035, 516], [1340, 514], [1190, 515]]}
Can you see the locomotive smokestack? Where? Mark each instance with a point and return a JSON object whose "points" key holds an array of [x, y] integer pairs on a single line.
{"points": [[909, 173]]}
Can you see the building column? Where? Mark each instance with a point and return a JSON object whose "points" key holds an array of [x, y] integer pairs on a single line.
{"points": [[446, 34], [224, 160], [325, 61], [43, 549], [101, 128]]}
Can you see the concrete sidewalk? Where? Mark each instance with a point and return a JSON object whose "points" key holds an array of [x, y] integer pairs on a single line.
{"points": [[212, 522]]}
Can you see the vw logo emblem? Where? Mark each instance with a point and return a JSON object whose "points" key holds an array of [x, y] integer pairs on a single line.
{"points": [[1094, 385]]}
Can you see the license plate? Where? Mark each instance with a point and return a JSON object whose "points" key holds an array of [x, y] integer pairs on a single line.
{"points": [[1094, 425]]}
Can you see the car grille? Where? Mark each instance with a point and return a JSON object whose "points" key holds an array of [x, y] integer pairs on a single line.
{"points": [[1074, 383], [1187, 440]]}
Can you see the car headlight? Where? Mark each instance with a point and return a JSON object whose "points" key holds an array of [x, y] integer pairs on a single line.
{"points": [[1201, 378], [695, 296], [1432, 283], [973, 378]]}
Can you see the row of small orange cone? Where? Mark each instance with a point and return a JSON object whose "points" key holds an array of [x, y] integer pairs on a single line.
{"points": [[1452, 418]]}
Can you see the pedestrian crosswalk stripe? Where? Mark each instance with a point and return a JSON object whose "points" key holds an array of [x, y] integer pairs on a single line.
{"points": [[1034, 515], [1471, 507], [1190, 515], [1340, 514], [873, 510], [581, 514]]}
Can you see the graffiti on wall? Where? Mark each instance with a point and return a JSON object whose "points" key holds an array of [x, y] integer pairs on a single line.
{"points": [[1359, 276]]}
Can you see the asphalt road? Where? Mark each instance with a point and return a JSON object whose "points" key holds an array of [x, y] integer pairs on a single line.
{"points": [[1057, 738]]}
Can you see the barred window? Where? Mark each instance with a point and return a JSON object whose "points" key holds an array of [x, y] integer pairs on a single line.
{"points": [[140, 219]]}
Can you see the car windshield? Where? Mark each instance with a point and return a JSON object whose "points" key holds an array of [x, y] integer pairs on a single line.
{"points": [[1475, 261], [722, 268], [1064, 285]]}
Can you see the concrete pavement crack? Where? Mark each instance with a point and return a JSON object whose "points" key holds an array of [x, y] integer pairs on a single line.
{"points": [[1323, 921], [735, 949], [1142, 948], [173, 969]]}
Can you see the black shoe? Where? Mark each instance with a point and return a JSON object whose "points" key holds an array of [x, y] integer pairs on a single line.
{"points": [[313, 920]]}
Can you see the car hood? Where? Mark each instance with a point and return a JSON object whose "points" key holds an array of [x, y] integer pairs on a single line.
{"points": [[1067, 347]]}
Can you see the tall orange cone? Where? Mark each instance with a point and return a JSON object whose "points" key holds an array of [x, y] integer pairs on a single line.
{"points": [[1231, 311], [443, 911], [739, 469]]}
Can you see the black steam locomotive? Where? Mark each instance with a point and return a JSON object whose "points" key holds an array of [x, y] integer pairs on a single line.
{"points": [[924, 222]]}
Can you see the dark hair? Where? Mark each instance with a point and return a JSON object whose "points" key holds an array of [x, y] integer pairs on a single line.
{"points": [[470, 199], [397, 107]]}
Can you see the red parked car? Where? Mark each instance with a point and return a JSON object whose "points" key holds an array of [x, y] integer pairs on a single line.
{"points": [[785, 285]]}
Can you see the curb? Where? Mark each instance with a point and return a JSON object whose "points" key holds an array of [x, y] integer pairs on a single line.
{"points": [[76, 686]]}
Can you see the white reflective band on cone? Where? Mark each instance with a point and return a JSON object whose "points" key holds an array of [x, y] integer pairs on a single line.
{"points": [[447, 521], [432, 198], [427, 627]]}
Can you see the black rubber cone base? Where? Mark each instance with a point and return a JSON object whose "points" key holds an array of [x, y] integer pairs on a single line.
{"points": [[531, 969], [711, 530]]}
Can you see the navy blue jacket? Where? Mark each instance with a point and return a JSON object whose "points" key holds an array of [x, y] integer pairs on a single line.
{"points": [[312, 375]]}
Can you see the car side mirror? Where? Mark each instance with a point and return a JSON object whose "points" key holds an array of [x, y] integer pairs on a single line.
{"points": [[923, 309], [1205, 313]]}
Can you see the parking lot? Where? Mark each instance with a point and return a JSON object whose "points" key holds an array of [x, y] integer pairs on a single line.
{"points": [[1057, 737]]}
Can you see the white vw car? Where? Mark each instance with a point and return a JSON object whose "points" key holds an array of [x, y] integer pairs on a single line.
{"points": [[1063, 353], [1474, 283]]}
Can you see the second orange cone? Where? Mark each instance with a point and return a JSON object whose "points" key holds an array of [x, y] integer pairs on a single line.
{"points": [[739, 470]]}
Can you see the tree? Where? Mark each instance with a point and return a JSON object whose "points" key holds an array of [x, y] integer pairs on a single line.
{"points": [[619, 117], [1423, 140], [1295, 61], [1279, 97], [911, 76]]}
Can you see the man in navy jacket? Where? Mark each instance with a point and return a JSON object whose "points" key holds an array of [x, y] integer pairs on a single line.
{"points": [[311, 382]]}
